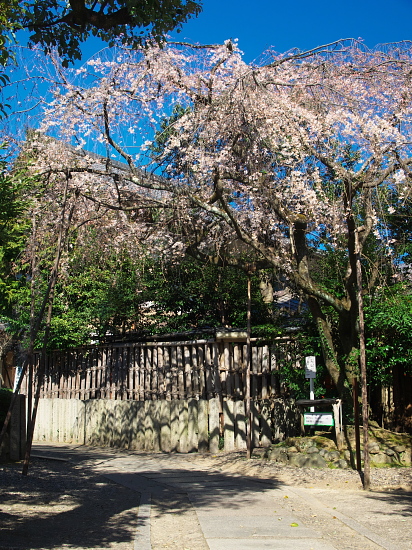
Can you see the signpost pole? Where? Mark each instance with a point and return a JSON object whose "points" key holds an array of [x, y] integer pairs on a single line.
{"points": [[310, 372], [312, 392]]}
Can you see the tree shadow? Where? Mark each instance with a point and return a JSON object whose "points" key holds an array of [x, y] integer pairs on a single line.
{"points": [[63, 503], [396, 503], [60, 505]]}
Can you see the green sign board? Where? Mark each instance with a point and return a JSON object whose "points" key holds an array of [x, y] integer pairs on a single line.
{"points": [[318, 419]]}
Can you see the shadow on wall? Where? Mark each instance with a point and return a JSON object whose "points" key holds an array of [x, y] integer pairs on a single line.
{"points": [[182, 426]]}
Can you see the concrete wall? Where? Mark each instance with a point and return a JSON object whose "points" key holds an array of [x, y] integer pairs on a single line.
{"points": [[14, 444], [178, 425]]}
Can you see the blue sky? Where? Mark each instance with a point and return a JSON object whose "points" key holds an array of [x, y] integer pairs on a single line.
{"points": [[261, 24], [303, 24], [268, 23]]}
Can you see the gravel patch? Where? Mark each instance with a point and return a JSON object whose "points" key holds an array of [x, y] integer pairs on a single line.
{"points": [[394, 478]]}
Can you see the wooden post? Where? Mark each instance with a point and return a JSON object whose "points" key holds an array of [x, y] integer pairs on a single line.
{"points": [[337, 415], [99, 372], [240, 425], [148, 373], [229, 424], [254, 367], [357, 431], [265, 370], [165, 426], [168, 376], [173, 371], [180, 373], [209, 382], [195, 371], [202, 371], [362, 358], [142, 373], [160, 374], [202, 420], [213, 406], [186, 367], [236, 388], [248, 361], [30, 394]]}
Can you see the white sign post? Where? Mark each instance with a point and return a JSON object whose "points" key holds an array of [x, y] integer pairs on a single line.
{"points": [[310, 372]]}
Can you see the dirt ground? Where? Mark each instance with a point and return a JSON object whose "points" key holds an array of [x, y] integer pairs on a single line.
{"points": [[66, 505], [395, 478], [62, 506]]}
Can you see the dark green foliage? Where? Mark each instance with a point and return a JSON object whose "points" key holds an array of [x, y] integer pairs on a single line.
{"points": [[105, 293], [14, 227], [95, 296], [10, 16], [400, 228], [292, 376], [389, 333], [293, 379], [388, 306], [10, 21], [192, 294], [65, 25], [118, 295]]}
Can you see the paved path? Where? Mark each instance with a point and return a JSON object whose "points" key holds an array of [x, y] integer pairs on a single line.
{"points": [[238, 512]]}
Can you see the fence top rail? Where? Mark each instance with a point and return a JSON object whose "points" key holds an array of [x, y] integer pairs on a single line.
{"points": [[93, 347], [169, 343]]}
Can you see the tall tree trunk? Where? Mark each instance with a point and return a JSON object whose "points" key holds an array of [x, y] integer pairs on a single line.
{"points": [[337, 374], [362, 360], [64, 228], [248, 369]]}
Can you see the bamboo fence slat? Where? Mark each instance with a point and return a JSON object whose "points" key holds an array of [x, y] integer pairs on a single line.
{"points": [[180, 375], [187, 392], [173, 368], [153, 389], [168, 372], [202, 371], [165, 371], [195, 370]]}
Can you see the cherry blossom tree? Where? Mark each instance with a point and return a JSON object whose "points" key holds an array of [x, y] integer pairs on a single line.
{"points": [[290, 156]]}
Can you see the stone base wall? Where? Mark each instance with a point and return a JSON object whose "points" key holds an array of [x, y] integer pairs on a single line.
{"points": [[178, 425]]}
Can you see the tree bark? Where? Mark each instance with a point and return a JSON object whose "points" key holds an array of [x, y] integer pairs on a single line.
{"points": [[248, 369], [362, 360]]}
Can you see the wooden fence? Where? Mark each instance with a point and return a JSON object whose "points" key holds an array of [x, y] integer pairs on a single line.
{"points": [[168, 371], [169, 396]]}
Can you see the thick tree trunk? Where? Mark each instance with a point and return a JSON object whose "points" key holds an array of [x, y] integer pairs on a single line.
{"points": [[341, 378], [338, 375]]}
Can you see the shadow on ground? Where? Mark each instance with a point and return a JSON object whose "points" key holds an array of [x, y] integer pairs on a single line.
{"points": [[88, 498], [63, 503], [394, 503], [60, 505]]}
